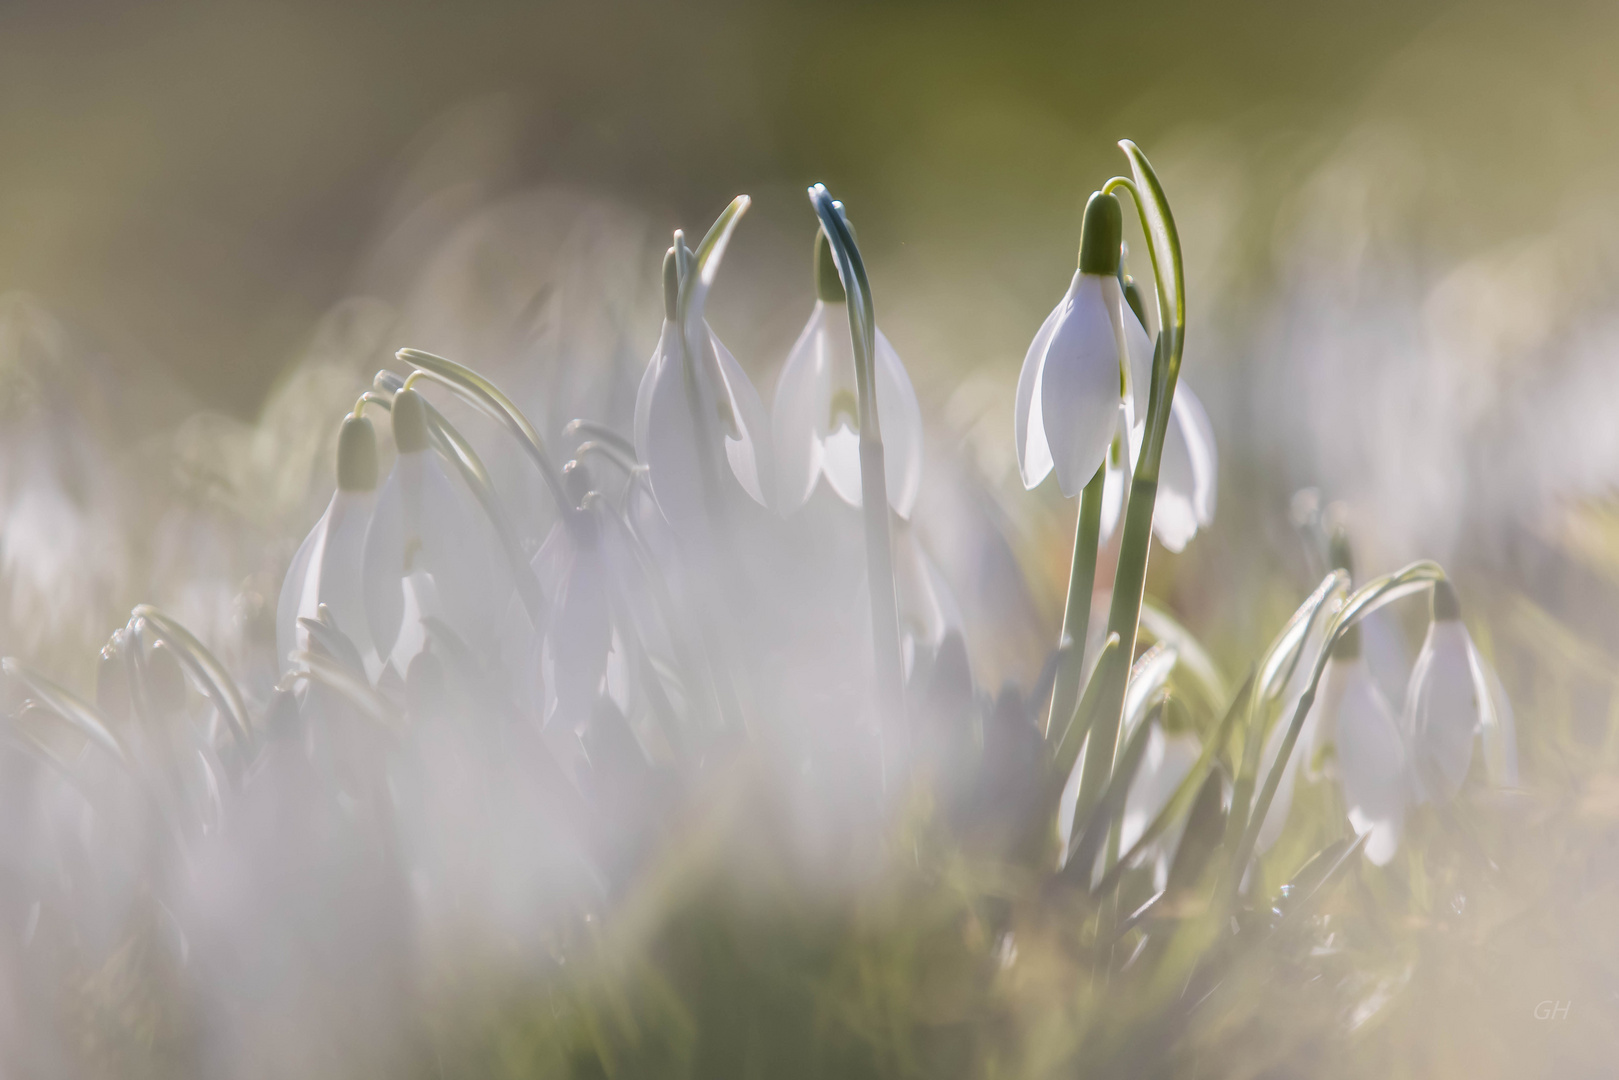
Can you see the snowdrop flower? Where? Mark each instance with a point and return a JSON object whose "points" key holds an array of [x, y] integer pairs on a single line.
{"points": [[429, 551], [1165, 763], [327, 568], [666, 432], [816, 415], [1077, 373], [1448, 701], [1373, 770], [574, 648], [1187, 471]]}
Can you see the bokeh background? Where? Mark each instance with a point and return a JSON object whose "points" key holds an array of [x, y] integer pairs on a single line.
{"points": [[217, 219]]}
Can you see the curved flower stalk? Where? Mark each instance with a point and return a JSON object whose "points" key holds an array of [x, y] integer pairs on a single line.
{"points": [[686, 414], [428, 551], [888, 652], [1450, 703], [327, 568], [816, 414]]}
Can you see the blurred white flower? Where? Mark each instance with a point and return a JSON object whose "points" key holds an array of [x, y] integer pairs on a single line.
{"points": [[817, 417], [1449, 703], [666, 435], [429, 551], [1372, 763], [327, 568]]}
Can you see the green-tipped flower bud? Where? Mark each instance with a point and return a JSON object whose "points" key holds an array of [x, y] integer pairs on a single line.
{"points": [[671, 285], [828, 286], [410, 422], [1446, 607], [1101, 235], [356, 455]]}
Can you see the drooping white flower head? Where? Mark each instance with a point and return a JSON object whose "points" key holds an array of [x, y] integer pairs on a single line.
{"points": [[667, 437], [1190, 464], [1372, 763], [327, 568], [1448, 702], [816, 416], [429, 551], [1076, 374]]}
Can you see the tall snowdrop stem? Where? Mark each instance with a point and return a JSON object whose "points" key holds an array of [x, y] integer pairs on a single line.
{"points": [[1076, 616], [1130, 580], [873, 479], [1371, 596]]}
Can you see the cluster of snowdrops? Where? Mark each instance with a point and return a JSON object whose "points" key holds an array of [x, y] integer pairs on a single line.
{"points": [[568, 697]]}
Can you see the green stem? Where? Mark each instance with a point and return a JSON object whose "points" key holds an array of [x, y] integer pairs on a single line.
{"points": [[1129, 583], [873, 478], [1076, 615]]}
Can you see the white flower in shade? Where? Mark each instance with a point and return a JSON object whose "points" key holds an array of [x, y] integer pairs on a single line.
{"points": [[666, 431], [1076, 375], [326, 569], [1371, 760], [816, 415], [429, 551], [575, 646], [1164, 764], [1190, 463], [1449, 701]]}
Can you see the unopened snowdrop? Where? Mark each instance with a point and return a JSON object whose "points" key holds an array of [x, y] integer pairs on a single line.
{"points": [[429, 551], [326, 569], [816, 415], [667, 435]]}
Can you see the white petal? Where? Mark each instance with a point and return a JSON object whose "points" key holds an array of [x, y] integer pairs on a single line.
{"points": [[1080, 382], [384, 566], [1500, 729], [340, 566], [1372, 763], [1121, 457], [1033, 453], [578, 639], [1443, 710], [1167, 760], [840, 462], [669, 444], [643, 392], [1186, 477], [750, 452], [803, 399], [295, 589], [899, 418], [1139, 348]]}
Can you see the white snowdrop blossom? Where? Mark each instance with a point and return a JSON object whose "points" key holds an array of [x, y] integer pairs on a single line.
{"points": [[667, 436], [327, 568], [1076, 375], [1189, 467], [429, 551], [1450, 701], [1371, 759], [816, 415]]}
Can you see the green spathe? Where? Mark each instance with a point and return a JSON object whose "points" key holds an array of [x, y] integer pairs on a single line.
{"points": [[1101, 235], [357, 455]]}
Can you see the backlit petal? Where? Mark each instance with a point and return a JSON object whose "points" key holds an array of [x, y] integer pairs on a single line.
{"points": [[1080, 382]]}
